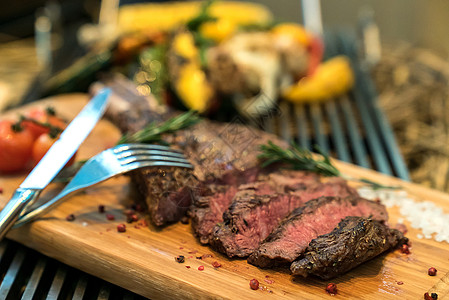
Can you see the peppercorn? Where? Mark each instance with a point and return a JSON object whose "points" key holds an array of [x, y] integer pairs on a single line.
{"points": [[432, 271], [216, 264], [132, 218], [101, 208], [70, 217], [180, 259], [432, 296], [405, 249], [254, 284], [331, 288], [121, 227], [110, 217], [200, 268]]}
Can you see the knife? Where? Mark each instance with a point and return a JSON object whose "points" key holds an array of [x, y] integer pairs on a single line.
{"points": [[53, 161]]}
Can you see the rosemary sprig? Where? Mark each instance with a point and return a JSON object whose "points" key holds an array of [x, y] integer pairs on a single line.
{"points": [[298, 158], [377, 186], [153, 132]]}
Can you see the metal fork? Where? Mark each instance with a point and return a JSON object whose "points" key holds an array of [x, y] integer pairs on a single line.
{"points": [[109, 163]]}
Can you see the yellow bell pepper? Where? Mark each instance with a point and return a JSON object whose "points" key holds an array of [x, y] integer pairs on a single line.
{"points": [[218, 30], [193, 88], [332, 78], [294, 31], [184, 45]]}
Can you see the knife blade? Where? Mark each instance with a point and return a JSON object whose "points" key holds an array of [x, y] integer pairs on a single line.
{"points": [[54, 160]]}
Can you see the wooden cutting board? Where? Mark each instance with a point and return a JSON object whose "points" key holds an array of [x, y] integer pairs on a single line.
{"points": [[142, 259]]}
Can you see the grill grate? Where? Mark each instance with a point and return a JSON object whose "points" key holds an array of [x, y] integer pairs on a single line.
{"points": [[29, 275], [351, 128]]}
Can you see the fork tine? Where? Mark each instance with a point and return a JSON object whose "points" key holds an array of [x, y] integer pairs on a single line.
{"points": [[143, 164], [128, 153], [152, 158], [125, 147]]}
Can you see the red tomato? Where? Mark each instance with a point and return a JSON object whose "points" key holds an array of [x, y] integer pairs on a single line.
{"points": [[41, 115], [15, 147], [316, 51], [41, 146]]}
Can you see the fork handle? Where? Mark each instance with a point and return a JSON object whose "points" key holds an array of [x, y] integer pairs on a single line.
{"points": [[10, 213]]}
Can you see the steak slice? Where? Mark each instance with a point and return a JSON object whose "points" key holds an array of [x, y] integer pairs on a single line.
{"points": [[207, 210], [318, 216], [353, 242], [212, 201], [249, 220]]}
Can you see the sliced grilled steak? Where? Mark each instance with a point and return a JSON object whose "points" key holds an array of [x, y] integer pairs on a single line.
{"points": [[353, 242], [215, 150], [334, 186], [249, 220], [208, 207], [318, 216], [207, 210]]}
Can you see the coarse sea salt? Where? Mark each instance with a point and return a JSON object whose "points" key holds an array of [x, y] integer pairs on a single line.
{"points": [[426, 216]]}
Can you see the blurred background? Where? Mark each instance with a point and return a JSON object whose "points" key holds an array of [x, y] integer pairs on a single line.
{"points": [[404, 45]]}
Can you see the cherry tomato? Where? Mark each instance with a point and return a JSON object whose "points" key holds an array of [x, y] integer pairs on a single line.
{"points": [[42, 116], [15, 147], [41, 146]]}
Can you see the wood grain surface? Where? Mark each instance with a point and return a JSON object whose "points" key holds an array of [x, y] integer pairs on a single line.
{"points": [[142, 259]]}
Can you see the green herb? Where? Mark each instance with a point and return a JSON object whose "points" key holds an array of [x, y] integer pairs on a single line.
{"points": [[53, 130], [298, 158], [377, 186], [203, 17], [153, 132]]}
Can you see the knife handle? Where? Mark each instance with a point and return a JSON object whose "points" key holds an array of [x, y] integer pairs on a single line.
{"points": [[10, 213]]}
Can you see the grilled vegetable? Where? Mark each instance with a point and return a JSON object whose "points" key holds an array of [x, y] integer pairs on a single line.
{"points": [[332, 78], [186, 75], [168, 16]]}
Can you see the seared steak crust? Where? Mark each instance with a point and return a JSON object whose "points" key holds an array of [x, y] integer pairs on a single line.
{"points": [[214, 149], [353, 242], [318, 216]]}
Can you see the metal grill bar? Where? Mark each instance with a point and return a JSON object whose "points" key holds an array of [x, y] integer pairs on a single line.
{"points": [[301, 127], [33, 282], [58, 281], [80, 288], [338, 137], [317, 121], [7, 285], [356, 142]]}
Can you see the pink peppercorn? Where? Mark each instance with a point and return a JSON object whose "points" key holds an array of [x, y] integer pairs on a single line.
{"points": [[200, 268], [432, 271], [405, 249], [331, 288], [254, 284], [121, 227], [110, 217]]}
